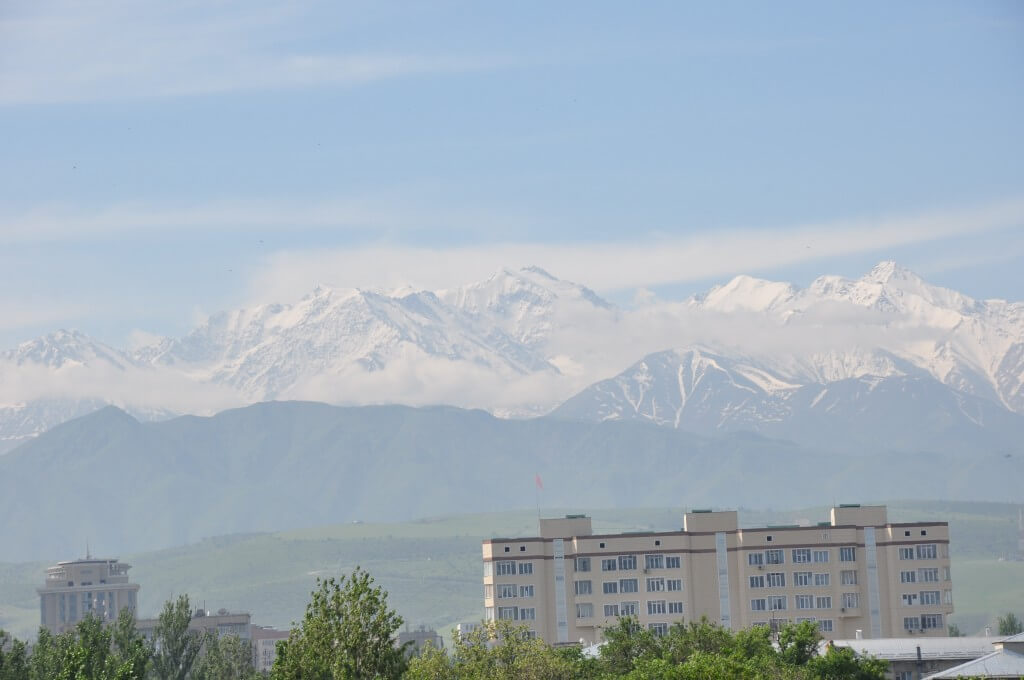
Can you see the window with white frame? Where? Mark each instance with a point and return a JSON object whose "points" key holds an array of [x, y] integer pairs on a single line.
{"points": [[821, 556], [848, 554], [610, 564], [525, 568], [654, 561], [912, 623], [825, 625], [584, 610], [822, 579], [823, 602], [777, 603], [905, 675], [488, 569], [507, 613], [526, 591], [527, 613], [908, 577], [776, 579], [930, 597], [755, 559], [928, 575], [927, 551], [629, 608], [655, 585], [611, 610], [507, 590], [583, 588], [656, 607], [488, 591], [851, 600], [658, 629], [629, 585], [627, 562], [801, 578], [947, 596], [909, 599], [505, 568], [675, 607], [488, 613], [907, 553], [759, 605], [757, 581], [801, 555], [673, 562], [848, 577], [945, 573], [582, 564], [674, 584], [805, 602], [610, 587], [774, 557]]}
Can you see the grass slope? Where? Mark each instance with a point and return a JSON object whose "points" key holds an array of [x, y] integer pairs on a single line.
{"points": [[432, 569]]}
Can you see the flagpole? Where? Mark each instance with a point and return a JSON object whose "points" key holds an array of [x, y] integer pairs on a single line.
{"points": [[537, 486]]}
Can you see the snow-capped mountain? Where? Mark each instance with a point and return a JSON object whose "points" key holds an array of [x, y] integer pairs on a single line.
{"points": [[744, 354]]}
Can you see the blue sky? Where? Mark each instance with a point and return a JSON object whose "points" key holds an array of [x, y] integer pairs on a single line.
{"points": [[162, 161]]}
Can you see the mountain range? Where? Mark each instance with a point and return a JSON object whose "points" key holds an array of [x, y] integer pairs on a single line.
{"points": [[883, 361]]}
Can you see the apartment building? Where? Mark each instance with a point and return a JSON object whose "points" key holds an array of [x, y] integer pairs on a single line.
{"points": [[854, 575], [205, 622], [78, 588]]}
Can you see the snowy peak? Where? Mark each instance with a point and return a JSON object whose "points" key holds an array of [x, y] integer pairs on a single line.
{"points": [[64, 348], [747, 293]]}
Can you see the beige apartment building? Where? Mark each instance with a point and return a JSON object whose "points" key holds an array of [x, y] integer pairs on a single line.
{"points": [[77, 588], [855, 575]]}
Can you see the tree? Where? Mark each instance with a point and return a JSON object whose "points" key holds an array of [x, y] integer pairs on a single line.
{"points": [[13, 658], [175, 647], [1010, 624], [131, 653], [226, 658], [348, 633], [798, 643], [954, 630]]}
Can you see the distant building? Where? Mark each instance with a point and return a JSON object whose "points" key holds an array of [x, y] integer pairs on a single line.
{"points": [[222, 623], [78, 588], [420, 637], [914, 658], [264, 646], [855, 572]]}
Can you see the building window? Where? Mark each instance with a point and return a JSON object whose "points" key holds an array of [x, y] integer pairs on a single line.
{"points": [[759, 605], [757, 581], [825, 625], [947, 596], [657, 542], [931, 621], [912, 623], [627, 562], [584, 610], [489, 613], [927, 551], [909, 599], [906, 553], [673, 562], [929, 597], [609, 564], [582, 564], [526, 591], [611, 610], [658, 629], [488, 591], [905, 675], [805, 602], [505, 568], [674, 584], [776, 579], [583, 588], [822, 580], [629, 585], [675, 607], [630, 608], [507, 613], [506, 591], [525, 568], [774, 557], [655, 585], [848, 554], [928, 575], [527, 613], [777, 603], [655, 607], [755, 559], [508, 549], [522, 548], [908, 577], [654, 561], [801, 555], [801, 578], [610, 587], [823, 602], [821, 556], [848, 577], [945, 573], [851, 600]]}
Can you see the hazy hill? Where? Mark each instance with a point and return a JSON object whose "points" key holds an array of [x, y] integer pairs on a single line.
{"points": [[130, 486]]}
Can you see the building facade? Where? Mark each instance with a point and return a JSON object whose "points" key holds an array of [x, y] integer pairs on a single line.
{"points": [[856, 574], [79, 588], [264, 646], [204, 622]]}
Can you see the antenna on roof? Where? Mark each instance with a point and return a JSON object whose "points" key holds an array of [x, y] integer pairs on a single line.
{"points": [[88, 556]]}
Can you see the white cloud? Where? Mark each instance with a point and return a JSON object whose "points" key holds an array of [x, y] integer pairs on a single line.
{"points": [[61, 51], [637, 263]]}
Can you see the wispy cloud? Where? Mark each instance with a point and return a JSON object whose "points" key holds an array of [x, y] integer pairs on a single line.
{"points": [[62, 51], [637, 263]]}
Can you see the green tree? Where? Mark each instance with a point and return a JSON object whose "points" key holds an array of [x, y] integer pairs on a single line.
{"points": [[954, 630], [225, 658], [841, 663], [625, 643], [348, 633], [1010, 624], [175, 647], [798, 643], [13, 658]]}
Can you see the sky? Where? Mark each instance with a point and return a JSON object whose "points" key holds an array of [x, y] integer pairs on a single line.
{"points": [[163, 161]]}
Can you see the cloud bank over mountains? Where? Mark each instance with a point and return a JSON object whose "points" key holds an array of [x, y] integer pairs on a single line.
{"points": [[521, 343]]}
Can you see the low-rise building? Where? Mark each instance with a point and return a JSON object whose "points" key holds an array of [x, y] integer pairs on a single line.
{"points": [[856, 571], [912, 658], [1006, 660], [222, 623], [264, 646]]}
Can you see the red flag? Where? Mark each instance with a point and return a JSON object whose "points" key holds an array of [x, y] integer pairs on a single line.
{"points": [[539, 482]]}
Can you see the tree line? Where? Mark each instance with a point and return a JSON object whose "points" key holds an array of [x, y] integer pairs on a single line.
{"points": [[349, 632]]}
